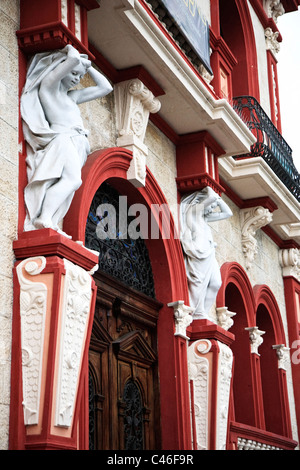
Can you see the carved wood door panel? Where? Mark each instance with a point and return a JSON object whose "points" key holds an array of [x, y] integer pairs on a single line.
{"points": [[124, 388]]}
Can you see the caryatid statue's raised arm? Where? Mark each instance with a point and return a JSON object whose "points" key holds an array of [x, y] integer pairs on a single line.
{"points": [[203, 272], [57, 143]]}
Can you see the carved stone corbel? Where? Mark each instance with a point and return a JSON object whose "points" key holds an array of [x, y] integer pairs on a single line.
{"points": [[224, 317], [183, 317], [274, 9], [272, 43], [282, 354], [134, 103], [290, 262], [255, 336], [252, 219]]}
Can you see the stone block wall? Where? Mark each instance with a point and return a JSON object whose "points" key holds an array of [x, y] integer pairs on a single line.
{"points": [[9, 20]]}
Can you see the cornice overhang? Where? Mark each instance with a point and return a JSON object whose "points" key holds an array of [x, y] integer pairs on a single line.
{"points": [[133, 37]]}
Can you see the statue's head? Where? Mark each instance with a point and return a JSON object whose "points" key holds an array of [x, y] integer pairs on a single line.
{"points": [[73, 78]]}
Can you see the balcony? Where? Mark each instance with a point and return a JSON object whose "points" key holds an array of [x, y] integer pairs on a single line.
{"points": [[270, 145], [244, 437]]}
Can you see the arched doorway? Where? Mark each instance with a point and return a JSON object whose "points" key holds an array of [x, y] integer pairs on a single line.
{"points": [[111, 165], [124, 386]]}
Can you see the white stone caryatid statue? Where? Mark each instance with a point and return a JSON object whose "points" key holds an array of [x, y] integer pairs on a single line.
{"points": [[57, 143], [203, 272]]}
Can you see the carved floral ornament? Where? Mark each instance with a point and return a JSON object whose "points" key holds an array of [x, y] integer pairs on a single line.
{"points": [[290, 262], [134, 103], [252, 219]]}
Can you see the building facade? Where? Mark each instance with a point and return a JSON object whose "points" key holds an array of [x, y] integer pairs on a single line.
{"points": [[100, 346]]}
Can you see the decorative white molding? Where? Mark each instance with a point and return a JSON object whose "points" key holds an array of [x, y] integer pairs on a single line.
{"points": [[252, 219], [134, 103], [223, 392], [199, 374], [73, 323], [255, 336], [183, 317], [33, 307], [272, 43], [208, 77], [224, 317], [290, 262], [282, 354]]}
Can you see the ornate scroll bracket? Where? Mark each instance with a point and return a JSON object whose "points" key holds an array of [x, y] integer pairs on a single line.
{"points": [[134, 103], [290, 262], [255, 336], [274, 9], [282, 354], [251, 220], [33, 307], [183, 317], [224, 317]]}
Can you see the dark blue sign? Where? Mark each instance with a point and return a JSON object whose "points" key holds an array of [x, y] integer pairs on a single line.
{"points": [[193, 25]]}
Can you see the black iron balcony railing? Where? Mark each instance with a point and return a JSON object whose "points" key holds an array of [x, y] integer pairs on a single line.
{"points": [[270, 145]]}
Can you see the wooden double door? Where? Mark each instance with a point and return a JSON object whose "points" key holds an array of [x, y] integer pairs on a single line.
{"points": [[124, 385]]}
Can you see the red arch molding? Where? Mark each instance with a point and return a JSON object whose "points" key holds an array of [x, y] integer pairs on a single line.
{"points": [[264, 296], [169, 278], [235, 274], [250, 44]]}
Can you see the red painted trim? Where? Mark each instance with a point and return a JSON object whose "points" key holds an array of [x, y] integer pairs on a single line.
{"points": [[205, 329], [50, 36], [290, 5], [48, 242], [215, 17], [222, 57], [272, 65], [71, 15], [292, 292]]}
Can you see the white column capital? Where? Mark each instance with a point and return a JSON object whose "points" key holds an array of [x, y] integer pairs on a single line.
{"points": [[183, 317], [255, 336]]}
